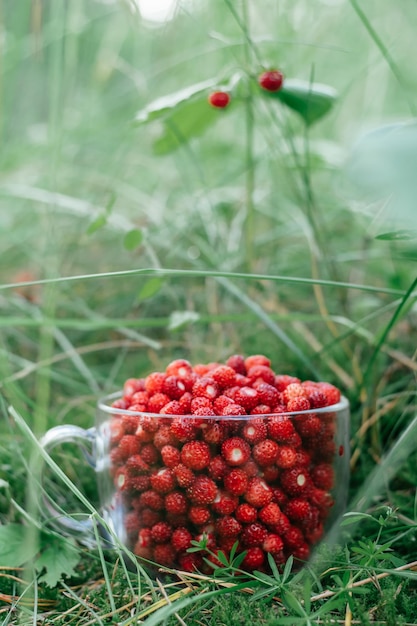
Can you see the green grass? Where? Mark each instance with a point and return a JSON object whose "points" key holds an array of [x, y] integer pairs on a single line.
{"points": [[256, 234]]}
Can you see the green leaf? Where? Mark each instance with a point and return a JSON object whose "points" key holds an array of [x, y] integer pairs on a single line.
{"points": [[150, 288], [181, 318], [310, 100], [398, 235], [17, 546], [353, 517], [96, 224], [58, 559], [186, 114], [133, 239]]}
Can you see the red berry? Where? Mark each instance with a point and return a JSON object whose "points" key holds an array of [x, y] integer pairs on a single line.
{"points": [[246, 513], [282, 526], [136, 465], [254, 535], [132, 523], [293, 538], [308, 426], [254, 559], [164, 554], [228, 526], [270, 474], [295, 481], [176, 502], [195, 455], [270, 514], [172, 408], [271, 80], [260, 374], [128, 446], [331, 392], [279, 496], [273, 544], [237, 362], [254, 431], [184, 475], [173, 387], [163, 481], [185, 403], [302, 552], [181, 539], [152, 500], [148, 518], [164, 437], [219, 99], [236, 482], [180, 368], [268, 394], [183, 429], [234, 409], [298, 403], [283, 380], [265, 452], [202, 491], [149, 454], [224, 376], [206, 387], [298, 510], [323, 476], [144, 538], [224, 503], [246, 397], [261, 409], [131, 386], [293, 391], [161, 532], [220, 403], [321, 499], [154, 383], [170, 456], [190, 562], [129, 423], [258, 493], [157, 401], [257, 359], [235, 451], [286, 457], [218, 468], [216, 433], [281, 429], [139, 483], [198, 515]]}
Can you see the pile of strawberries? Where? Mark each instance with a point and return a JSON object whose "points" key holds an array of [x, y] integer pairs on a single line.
{"points": [[212, 454]]}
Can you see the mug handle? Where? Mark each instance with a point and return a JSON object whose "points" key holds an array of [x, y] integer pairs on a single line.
{"points": [[83, 530]]}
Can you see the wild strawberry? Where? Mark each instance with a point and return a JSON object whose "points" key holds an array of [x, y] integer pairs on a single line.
{"points": [[246, 513], [173, 387], [139, 397], [254, 559], [236, 482], [235, 451], [258, 493], [323, 476], [268, 394], [298, 404], [148, 518], [270, 514], [183, 429], [298, 510], [254, 431], [226, 544], [217, 468], [190, 562], [224, 503], [164, 437], [149, 454], [228, 526], [171, 408], [176, 521], [286, 457], [257, 359], [130, 423], [163, 480], [142, 435], [219, 99], [282, 526], [241, 381], [260, 374], [128, 446], [154, 383], [261, 409], [283, 380], [136, 465], [120, 403], [314, 534], [201, 369], [234, 409], [220, 403], [279, 496], [185, 403], [144, 538], [308, 426], [271, 80], [206, 387], [316, 398], [265, 452], [131, 386], [139, 483], [215, 433], [141, 552], [303, 458], [246, 397], [224, 376], [280, 429], [270, 474], [295, 481], [273, 544], [204, 411], [202, 491], [321, 499], [164, 554], [176, 502], [302, 552], [181, 539], [152, 500], [170, 456], [117, 430], [237, 362], [198, 515], [184, 475], [198, 402], [132, 523], [195, 455], [157, 401], [161, 532], [293, 538], [331, 392], [254, 535], [179, 367]]}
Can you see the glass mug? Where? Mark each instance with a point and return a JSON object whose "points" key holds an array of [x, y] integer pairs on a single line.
{"points": [[275, 483]]}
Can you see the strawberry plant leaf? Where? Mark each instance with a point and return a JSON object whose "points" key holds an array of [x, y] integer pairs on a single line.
{"points": [[133, 239], [310, 100], [16, 545], [58, 559]]}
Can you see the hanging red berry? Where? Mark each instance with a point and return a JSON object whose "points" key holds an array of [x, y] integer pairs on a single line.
{"points": [[271, 81], [219, 99]]}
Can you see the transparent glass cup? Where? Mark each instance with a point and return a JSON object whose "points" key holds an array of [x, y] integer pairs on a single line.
{"points": [[271, 484]]}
